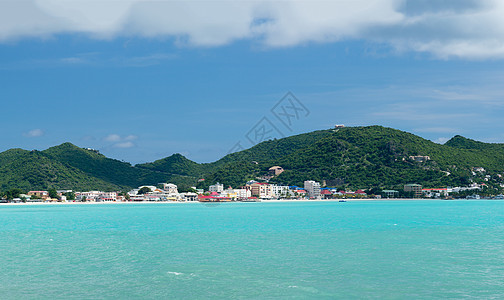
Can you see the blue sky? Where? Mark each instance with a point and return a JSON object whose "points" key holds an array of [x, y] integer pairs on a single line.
{"points": [[140, 85]]}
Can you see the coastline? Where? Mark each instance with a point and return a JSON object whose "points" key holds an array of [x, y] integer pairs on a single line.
{"points": [[263, 201]]}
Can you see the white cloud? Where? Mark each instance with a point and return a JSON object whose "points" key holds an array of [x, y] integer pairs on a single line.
{"points": [[112, 138], [471, 29], [131, 138], [125, 145], [120, 141], [34, 133]]}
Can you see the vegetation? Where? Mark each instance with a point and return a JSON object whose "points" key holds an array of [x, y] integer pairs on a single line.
{"points": [[144, 190], [371, 158], [69, 167]]}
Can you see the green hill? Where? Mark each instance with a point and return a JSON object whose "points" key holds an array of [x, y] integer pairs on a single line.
{"points": [[362, 157], [35, 170], [175, 164], [69, 167], [356, 157]]}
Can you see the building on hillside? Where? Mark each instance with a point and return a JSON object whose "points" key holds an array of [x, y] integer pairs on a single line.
{"points": [[415, 189], [419, 158], [219, 188], [312, 188], [275, 171]]}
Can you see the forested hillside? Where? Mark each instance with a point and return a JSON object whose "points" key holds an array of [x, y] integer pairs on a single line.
{"points": [[355, 157]]}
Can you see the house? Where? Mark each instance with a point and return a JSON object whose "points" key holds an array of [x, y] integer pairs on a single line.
{"points": [[435, 193], [360, 193], [275, 171], [301, 193], [419, 158], [39, 194], [326, 194]]}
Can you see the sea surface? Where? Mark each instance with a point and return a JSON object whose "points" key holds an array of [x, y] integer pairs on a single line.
{"points": [[319, 250]]}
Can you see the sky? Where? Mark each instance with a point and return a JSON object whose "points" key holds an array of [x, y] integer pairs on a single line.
{"points": [[141, 80]]}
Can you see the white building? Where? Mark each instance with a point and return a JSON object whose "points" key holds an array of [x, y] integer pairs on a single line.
{"points": [[90, 196], [108, 196], [98, 196], [312, 188], [170, 188], [237, 193], [280, 190], [189, 196], [219, 188]]}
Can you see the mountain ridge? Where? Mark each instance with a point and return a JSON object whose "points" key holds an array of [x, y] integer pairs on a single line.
{"points": [[364, 157]]}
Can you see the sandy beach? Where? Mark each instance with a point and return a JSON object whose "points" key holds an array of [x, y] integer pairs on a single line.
{"points": [[175, 202]]}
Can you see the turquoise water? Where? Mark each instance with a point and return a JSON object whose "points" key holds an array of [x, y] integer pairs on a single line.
{"points": [[380, 249]]}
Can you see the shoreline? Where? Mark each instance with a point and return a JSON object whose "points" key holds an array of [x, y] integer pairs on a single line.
{"points": [[263, 201]]}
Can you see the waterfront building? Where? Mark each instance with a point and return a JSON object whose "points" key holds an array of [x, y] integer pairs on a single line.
{"points": [[415, 189], [435, 193], [219, 188], [261, 190], [280, 190], [312, 188], [390, 193], [170, 188], [189, 196], [326, 194], [39, 194], [108, 196]]}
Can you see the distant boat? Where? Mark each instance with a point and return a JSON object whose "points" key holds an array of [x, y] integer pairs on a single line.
{"points": [[342, 201]]}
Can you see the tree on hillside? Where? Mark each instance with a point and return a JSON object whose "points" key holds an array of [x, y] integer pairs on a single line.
{"points": [[144, 190], [12, 193], [53, 194], [70, 195]]}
